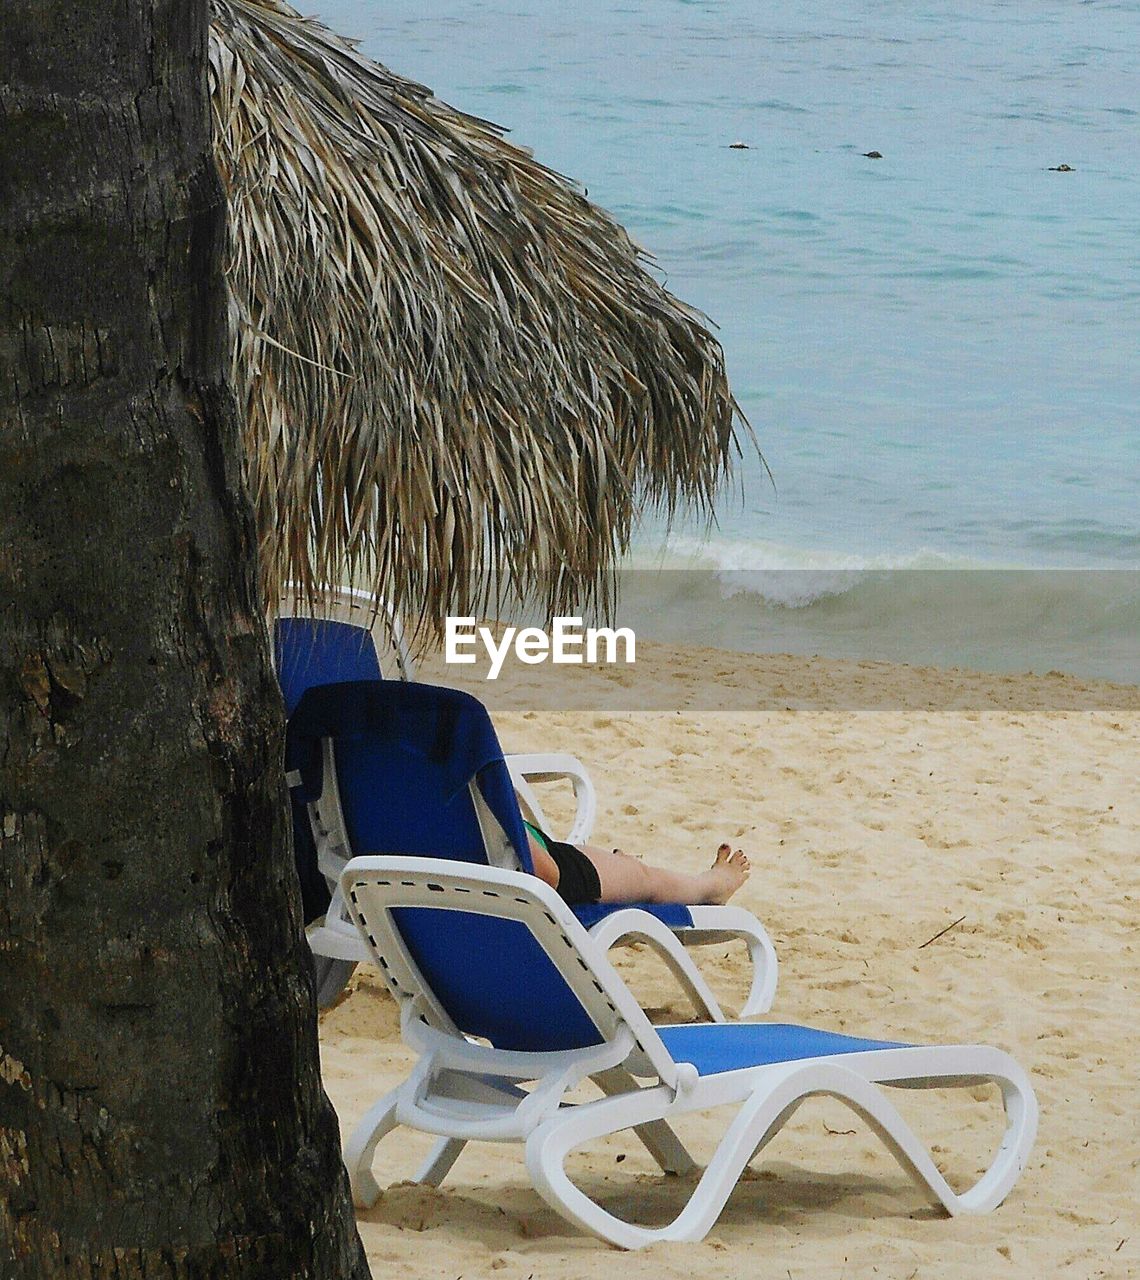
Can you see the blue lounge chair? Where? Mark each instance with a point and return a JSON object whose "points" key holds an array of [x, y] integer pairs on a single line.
{"points": [[312, 652], [500, 986], [309, 651]]}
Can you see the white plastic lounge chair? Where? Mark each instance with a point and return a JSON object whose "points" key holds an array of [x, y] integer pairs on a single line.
{"points": [[344, 646], [360, 757], [345, 643], [472, 951]]}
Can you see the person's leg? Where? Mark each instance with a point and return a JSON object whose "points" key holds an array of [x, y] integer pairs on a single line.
{"points": [[544, 865], [628, 879]]}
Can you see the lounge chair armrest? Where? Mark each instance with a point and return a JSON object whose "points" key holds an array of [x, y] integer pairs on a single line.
{"points": [[714, 925], [548, 766], [634, 925]]}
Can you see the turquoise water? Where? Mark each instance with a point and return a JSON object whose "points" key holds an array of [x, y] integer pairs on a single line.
{"points": [[938, 349]]}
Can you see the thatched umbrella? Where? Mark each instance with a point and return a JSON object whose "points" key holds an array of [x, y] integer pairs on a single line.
{"points": [[454, 367]]}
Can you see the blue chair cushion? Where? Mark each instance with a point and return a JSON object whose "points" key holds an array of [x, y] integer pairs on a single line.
{"points": [[313, 651], [671, 914], [405, 754], [495, 980], [716, 1047]]}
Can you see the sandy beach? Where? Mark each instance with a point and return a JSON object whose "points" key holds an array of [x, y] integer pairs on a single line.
{"points": [[881, 805]]}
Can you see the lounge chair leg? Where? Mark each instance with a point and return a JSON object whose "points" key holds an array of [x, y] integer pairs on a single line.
{"points": [[549, 1145], [758, 1119], [361, 1147], [979, 1066], [869, 1101], [656, 1136], [443, 1155], [331, 978]]}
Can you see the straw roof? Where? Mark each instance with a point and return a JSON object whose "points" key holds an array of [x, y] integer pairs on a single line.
{"points": [[454, 368]]}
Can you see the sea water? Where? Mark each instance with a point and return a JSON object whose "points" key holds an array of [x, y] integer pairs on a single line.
{"points": [[939, 349]]}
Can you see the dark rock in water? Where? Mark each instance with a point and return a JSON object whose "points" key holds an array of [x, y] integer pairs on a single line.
{"points": [[873, 155], [739, 146], [1061, 168]]}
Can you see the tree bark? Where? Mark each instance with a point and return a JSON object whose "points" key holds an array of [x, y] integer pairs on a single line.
{"points": [[161, 1113]]}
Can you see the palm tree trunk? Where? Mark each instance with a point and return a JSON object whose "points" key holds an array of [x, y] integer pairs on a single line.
{"points": [[161, 1112]]}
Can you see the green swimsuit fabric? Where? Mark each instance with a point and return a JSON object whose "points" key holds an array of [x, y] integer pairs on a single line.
{"points": [[534, 831]]}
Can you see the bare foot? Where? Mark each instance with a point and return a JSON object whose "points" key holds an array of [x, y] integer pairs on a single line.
{"points": [[725, 876]]}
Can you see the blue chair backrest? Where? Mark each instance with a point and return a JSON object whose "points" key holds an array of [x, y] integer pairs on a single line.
{"points": [[312, 651], [309, 652], [405, 756]]}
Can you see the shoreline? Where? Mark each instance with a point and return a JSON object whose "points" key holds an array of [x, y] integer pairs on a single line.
{"points": [[752, 681], [1083, 622]]}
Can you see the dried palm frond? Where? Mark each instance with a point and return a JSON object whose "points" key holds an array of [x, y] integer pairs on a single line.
{"points": [[454, 368]]}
